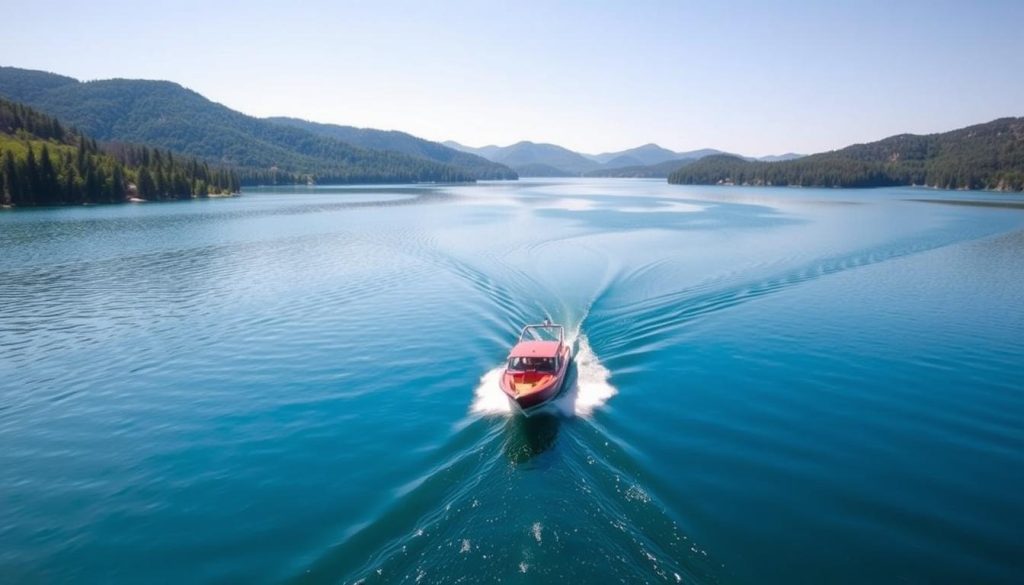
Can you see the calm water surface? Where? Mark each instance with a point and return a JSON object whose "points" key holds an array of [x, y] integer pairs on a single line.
{"points": [[772, 386]]}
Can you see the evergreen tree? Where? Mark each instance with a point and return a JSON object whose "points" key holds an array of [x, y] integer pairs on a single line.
{"points": [[62, 166], [145, 184], [48, 193], [92, 186], [32, 183], [117, 183], [11, 193]]}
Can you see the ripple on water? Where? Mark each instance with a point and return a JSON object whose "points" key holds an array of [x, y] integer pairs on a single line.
{"points": [[277, 386]]}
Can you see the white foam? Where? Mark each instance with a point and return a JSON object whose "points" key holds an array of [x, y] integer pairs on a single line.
{"points": [[488, 398], [589, 391]]}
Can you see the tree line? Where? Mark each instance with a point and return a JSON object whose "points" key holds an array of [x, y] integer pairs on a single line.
{"points": [[985, 156], [845, 172], [250, 177], [42, 162], [165, 115]]}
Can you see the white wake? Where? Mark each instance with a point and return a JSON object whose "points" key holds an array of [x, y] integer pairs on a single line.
{"points": [[587, 391]]}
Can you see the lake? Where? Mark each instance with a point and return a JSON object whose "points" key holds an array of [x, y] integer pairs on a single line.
{"points": [[300, 385]]}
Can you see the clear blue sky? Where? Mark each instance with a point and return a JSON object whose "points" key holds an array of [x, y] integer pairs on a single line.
{"points": [[750, 77]]}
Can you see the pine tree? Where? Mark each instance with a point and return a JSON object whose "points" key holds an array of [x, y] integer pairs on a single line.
{"points": [[48, 193], [69, 191], [80, 155], [12, 180], [92, 187], [145, 184], [160, 178], [32, 183], [103, 191], [8, 190], [117, 183]]}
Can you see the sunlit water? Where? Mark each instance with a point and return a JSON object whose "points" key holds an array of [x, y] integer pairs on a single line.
{"points": [[771, 386]]}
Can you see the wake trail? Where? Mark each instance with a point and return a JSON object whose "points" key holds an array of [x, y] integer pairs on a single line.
{"points": [[638, 324]]}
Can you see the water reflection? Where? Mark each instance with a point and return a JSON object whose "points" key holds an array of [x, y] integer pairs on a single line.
{"points": [[530, 436]]}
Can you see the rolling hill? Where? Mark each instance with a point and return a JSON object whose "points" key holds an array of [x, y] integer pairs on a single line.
{"points": [[44, 162], [405, 143], [984, 156], [781, 157], [542, 170], [648, 154], [167, 115], [529, 157], [532, 159], [656, 171]]}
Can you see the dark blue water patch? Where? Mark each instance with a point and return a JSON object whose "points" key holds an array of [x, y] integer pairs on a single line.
{"points": [[828, 420]]}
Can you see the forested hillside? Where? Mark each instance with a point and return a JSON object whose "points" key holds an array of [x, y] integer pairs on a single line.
{"points": [[985, 156], [656, 171], [43, 162], [166, 115], [401, 142], [647, 154], [532, 159]]}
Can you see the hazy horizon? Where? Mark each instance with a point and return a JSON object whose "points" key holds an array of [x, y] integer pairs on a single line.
{"points": [[798, 77]]}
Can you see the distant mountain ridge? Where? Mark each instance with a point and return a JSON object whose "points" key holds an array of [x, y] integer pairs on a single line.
{"points": [[647, 154], [781, 157], [167, 115], [532, 159], [656, 171], [983, 156], [525, 155], [405, 143]]}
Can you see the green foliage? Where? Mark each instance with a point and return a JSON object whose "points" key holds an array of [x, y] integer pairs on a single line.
{"points": [[168, 116], [537, 159], [655, 171], [542, 170], [477, 166], [985, 156], [42, 162]]}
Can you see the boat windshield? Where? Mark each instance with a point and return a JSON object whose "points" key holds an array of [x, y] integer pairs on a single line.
{"points": [[532, 364], [541, 333]]}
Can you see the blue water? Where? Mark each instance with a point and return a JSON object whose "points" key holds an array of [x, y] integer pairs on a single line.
{"points": [[771, 386]]}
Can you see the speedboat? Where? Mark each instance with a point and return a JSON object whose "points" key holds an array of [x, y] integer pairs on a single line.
{"points": [[537, 366]]}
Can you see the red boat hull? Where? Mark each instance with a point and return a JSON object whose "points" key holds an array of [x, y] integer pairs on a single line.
{"points": [[530, 389]]}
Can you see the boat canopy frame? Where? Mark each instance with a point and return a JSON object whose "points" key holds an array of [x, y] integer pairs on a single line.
{"points": [[533, 333]]}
